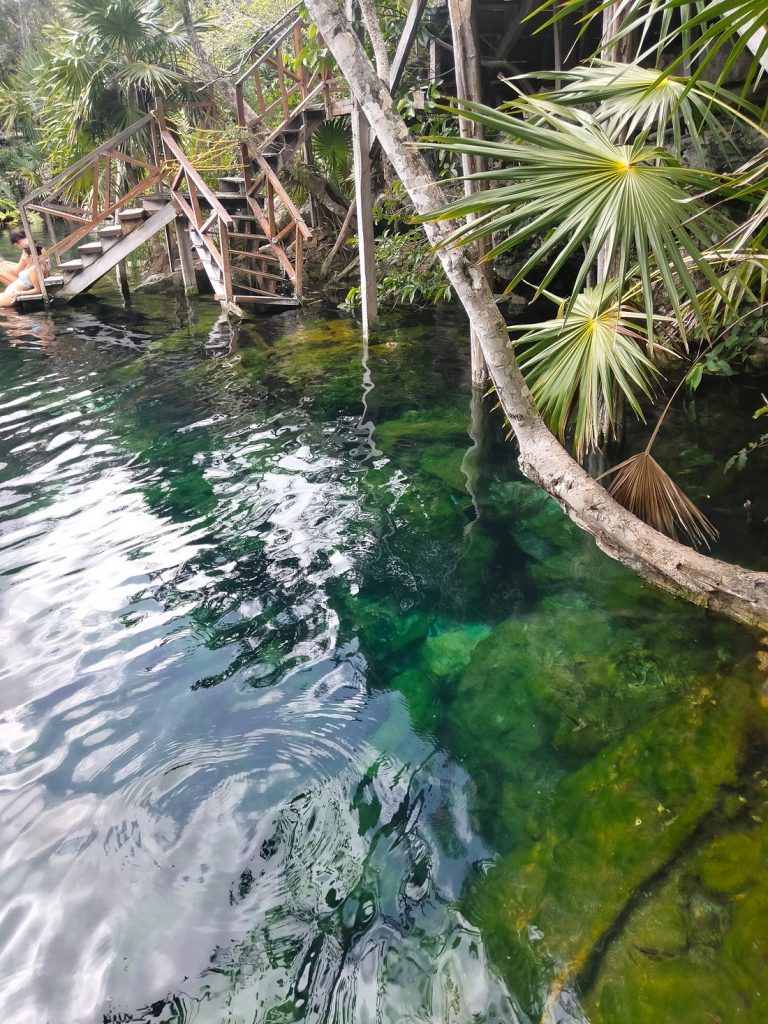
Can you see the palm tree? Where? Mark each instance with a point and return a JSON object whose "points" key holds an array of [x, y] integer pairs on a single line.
{"points": [[594, 172], [98, 71]]}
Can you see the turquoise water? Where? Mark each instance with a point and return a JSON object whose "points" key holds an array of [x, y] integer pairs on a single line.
{"points": [[313, 710]]}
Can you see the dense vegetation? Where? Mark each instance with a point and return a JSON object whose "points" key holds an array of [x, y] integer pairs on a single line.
{"points": [[629, 188]]}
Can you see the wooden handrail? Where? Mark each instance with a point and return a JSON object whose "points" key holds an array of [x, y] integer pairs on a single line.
{"points": [[273, 40], [286, 200], [193, 176], [73, 172], [81, 232]]}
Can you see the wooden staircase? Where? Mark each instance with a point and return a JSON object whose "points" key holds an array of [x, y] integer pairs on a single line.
{"points": [[246, 231]]}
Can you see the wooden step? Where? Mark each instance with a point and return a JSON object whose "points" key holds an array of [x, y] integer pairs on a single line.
{"points": [[247, 237], [269, 300], [132, 214], [232, 184], [91, 249], [110, 231], [29, 300], [54, 281], [71, 266]]}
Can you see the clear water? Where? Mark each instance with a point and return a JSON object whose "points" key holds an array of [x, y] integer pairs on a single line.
{"points": [[312, 710]]}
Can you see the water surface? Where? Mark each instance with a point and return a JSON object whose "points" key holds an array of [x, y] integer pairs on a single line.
{"points": [[313, 710]]}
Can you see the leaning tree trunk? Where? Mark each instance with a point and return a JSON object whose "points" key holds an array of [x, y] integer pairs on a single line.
{"points": [[732, 590]]}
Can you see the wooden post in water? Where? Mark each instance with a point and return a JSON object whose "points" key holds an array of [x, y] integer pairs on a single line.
{"points": [[184, 245], [469, 86], [361, 148], [121, 272]]}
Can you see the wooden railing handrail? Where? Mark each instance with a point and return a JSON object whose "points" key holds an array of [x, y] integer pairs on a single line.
{"points": [[285, 199], [75, 236], [193, 176], [292, 15], [72, 172], [266, 55]]}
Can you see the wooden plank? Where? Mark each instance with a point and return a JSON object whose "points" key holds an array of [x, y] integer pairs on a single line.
{"points": [[285, 263], [361, 145], [225, 264], [281, 82], [405, 43], [469, 86], [269, 300], [73, 172], [63, 212], [76, 236], [193, 176], [298, 46], [205, 242], [121, 273], [91, 273], [258, 273], [298, 284], [295, 113], [274, 42], [285, 199], [184, 245]]}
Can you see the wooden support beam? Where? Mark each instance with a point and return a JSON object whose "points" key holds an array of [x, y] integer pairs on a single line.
{"points": [[184, 245], [121, 272], [361, 146], [123, 247], [410, 28], [469, 86], [168, 247]]}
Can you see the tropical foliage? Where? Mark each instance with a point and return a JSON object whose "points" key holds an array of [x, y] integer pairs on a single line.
{"points": [[610, 177], [97, 72]]}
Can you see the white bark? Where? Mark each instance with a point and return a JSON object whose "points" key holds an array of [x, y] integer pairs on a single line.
{"points": [[739, 593]]}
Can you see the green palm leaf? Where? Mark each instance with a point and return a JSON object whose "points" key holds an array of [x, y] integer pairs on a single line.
{"points": [[632, 99], [566, 182], [571, 362], [700, 32]]}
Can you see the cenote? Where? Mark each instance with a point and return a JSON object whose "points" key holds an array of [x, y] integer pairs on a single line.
{"points": [[314, 710]]}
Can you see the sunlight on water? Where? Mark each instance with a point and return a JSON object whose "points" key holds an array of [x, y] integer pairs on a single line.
{"points": [[288, 661]]}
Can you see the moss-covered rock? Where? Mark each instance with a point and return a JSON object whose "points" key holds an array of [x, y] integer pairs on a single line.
{"points": [[613, 825], [697, 947]]}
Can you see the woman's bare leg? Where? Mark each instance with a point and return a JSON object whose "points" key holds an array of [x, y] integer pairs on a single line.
{"points": [[8, 272], [8, 298]]}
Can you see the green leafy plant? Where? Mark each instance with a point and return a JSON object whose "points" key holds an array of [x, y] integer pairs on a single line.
{"points": [[571, 363]]}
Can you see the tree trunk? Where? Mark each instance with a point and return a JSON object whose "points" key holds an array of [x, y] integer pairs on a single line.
{"points": [[731, 590]]}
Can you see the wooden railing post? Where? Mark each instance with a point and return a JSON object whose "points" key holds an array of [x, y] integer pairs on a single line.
{"points": [[281, 81], [33, 252], [225, 261], [298, 46]]}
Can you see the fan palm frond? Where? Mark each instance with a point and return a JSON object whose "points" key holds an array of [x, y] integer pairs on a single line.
{"points": [[565, 179], [645, 490], [699, 31], [332, 147], [632, 99], [572, 362]]}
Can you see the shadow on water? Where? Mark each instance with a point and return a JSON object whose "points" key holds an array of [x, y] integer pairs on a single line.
{"points": [[314, 710]]}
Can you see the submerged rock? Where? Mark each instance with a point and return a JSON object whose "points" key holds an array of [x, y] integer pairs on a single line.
{"points": [[698, 948], [612, 827]]}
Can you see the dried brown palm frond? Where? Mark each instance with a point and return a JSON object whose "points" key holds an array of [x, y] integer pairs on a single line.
{"points": [[642, 487]]}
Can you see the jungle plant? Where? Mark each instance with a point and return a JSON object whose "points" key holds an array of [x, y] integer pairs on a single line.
{"points": [[102, 64], [593, 174]]}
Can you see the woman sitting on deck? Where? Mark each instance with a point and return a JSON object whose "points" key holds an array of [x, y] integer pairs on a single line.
{"points": [[9, 272], [27, 281]]}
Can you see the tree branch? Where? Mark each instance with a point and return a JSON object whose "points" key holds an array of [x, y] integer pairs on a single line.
{"points": [[739, 593]]}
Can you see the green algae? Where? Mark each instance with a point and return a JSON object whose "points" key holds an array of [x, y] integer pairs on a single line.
{"points": [[547, 691], [612, 826], [445, 424], [697, 949]]}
